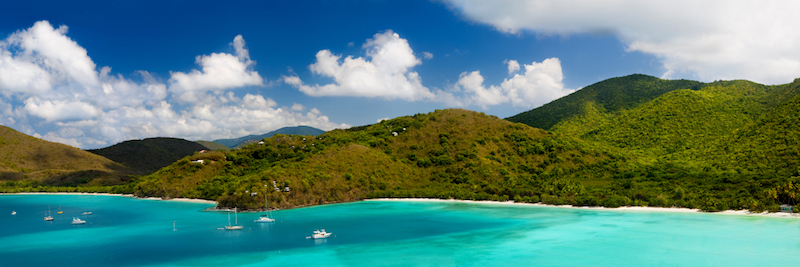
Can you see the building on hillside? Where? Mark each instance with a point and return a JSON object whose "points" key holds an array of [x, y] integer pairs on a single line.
{"points": [[786, 208]]}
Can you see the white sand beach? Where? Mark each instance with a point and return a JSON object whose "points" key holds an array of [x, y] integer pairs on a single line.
{"points": [[193, 200], [627, 208]]}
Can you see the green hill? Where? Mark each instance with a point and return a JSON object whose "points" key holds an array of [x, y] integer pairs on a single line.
{"points": [[769, 144], [241, 141], [729, 140], [447, 153], [148, 155], [27, 161]]}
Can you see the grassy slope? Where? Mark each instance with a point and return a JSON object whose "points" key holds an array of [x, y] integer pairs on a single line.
{"points": [[29, 161], [148, 155]]}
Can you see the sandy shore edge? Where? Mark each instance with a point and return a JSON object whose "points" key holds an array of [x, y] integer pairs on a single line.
{"points": [[628, 208], [192, 200]]}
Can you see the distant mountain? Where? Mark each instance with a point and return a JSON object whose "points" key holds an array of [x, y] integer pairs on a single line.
{"points": [[299, 130], [213, 145], [149, 155], [30, 161]]}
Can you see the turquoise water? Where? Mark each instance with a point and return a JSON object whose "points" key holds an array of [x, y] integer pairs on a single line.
{"points": [[124, 231]]}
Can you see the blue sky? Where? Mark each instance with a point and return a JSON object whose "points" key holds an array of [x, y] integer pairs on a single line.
{"points": [[95, 73]]}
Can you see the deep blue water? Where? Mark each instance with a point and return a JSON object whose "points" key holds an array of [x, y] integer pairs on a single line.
{"points": [[124, 231]]}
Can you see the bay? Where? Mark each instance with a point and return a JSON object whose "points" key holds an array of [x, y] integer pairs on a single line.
{"points": [[123, 231]]}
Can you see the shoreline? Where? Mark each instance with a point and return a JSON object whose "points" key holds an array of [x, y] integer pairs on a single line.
{"points": [[510, 202], [191, 200], [623, 209]]}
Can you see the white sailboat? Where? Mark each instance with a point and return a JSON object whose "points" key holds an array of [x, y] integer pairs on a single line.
{"points": [[266, 217], [236, 226], [49, 216]]}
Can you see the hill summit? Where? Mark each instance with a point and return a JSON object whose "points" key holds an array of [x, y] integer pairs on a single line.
{"points": [[148, 155], [30, 161], [244, 140]]}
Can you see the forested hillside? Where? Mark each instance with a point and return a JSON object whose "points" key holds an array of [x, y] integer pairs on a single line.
{"points": [[606, 97], [448, 154]]}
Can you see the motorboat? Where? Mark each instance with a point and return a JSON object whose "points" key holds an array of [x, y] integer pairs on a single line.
{"points": [[87, 213], [13, 212], [320, 234], [78, 221], [264, 219]]}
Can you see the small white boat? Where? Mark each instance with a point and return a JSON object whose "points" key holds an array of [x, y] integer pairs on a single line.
{"points": [[87, 213], [13, 212], [49, 216], [236, 225], [266, 217], [78, 221], [320, 234]]}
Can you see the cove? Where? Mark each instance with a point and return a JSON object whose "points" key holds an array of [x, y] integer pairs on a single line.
{"points": [[123, 231]]}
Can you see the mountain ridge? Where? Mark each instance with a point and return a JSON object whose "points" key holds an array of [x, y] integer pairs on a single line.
{"points": [[298, 130]]}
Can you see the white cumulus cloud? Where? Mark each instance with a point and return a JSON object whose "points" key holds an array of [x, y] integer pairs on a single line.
{"points": [[59, 110], [384, 73], [539, 84], [219, 71], [717, 39], [51, 89], [41, 56]]}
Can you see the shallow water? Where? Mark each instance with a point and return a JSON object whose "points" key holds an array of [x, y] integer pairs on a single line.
{"points": [[123, 231]]}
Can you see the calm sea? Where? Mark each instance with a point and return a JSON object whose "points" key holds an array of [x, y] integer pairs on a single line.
{"points": [[123, 231]]}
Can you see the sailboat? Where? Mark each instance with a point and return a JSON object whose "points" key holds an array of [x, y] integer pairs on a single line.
{"points": [[266, 217], [236, 226], [173, 226], [49, 216], [59, 209]]}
